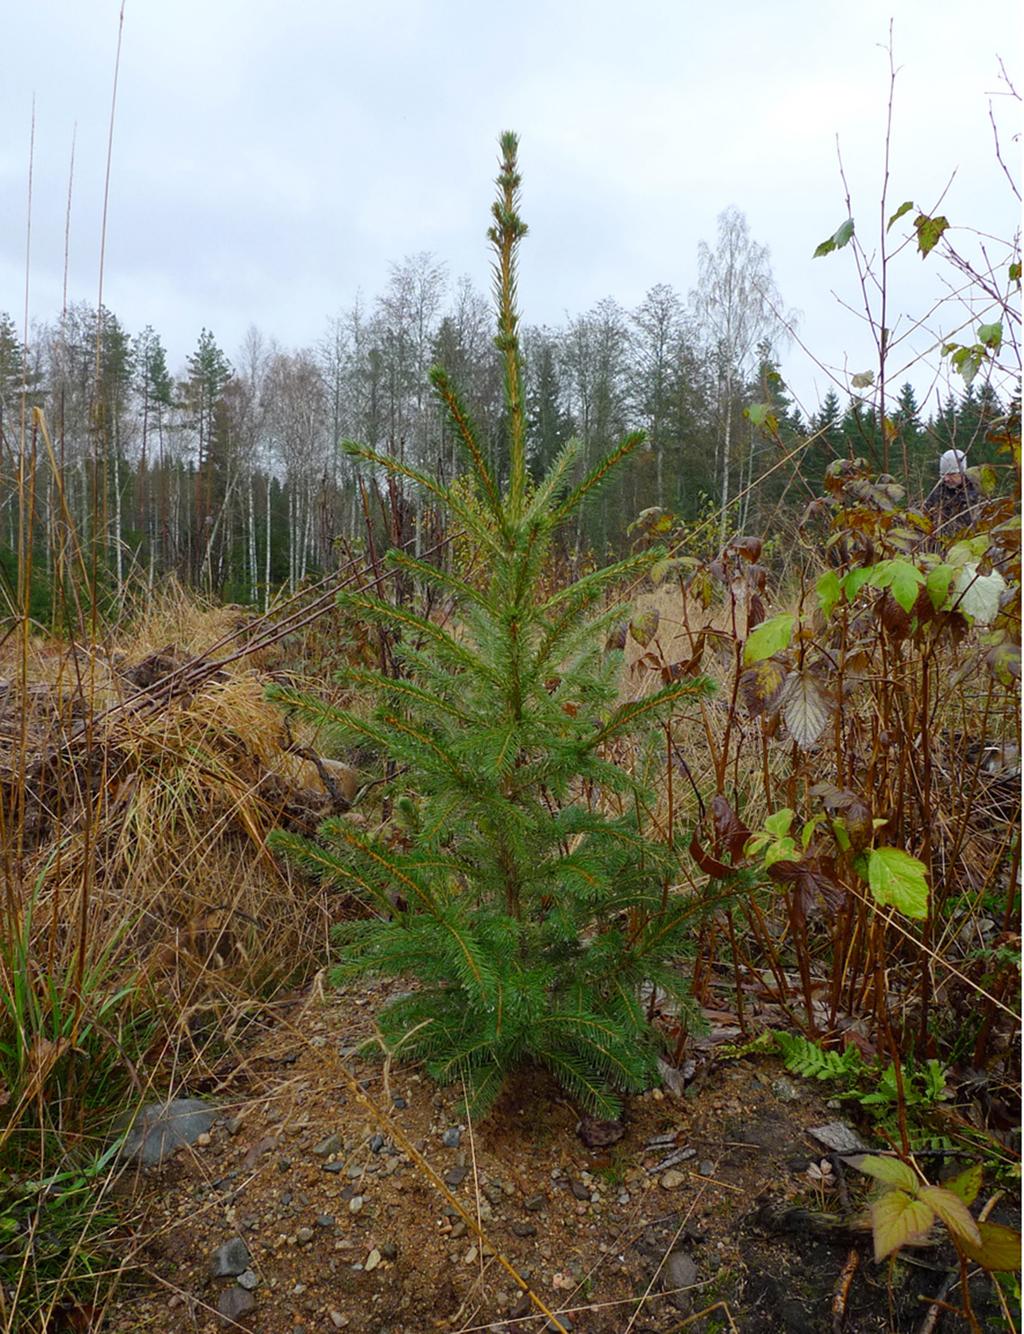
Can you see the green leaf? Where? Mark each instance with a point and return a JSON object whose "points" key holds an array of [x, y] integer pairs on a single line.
{"points": [[854, 581], [953, 1212], [991, 335], [830, 590], [784, 850], [937, 584], [899, 881], [770, 637], [892, 1171], [978, 595], [966, 1184], [1014, 273], [840, 237], [901, 578], [929, 231], [762, 416], [903, 208], [779, 823], [897, 1219], [999, 1250]]}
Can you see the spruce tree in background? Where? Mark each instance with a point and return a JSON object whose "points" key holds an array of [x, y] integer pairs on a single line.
{"points": [[528, 902]]}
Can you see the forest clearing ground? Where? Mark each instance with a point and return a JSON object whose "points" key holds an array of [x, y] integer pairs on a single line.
{"points": [[347, 1233]]}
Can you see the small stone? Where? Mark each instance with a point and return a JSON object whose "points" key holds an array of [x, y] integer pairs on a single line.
{"points": [[355, 1204], [494, 1192], [204, 1140], [388, 1251], [304, 1235], [524, 1229], [535, 1203], [335, 1167], [162, 1127], [671, 1179], [372, 1260], [455, 1176], [248, 1280], [706, 1167], [451, 1137], [230, 1259], [234, 1124], [354, 1172], [679, 1272], [325, 1220], [376, 1143], [839, 1137], [338, 1320], [579, 1190], [233, 1304], [399, 1104], [332, 1144], [785, 1090], [284, 1165], [470, 1256], [458, 1230]]}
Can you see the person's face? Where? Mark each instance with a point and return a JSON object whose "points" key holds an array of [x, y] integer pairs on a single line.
{"points": [[953, 479]]}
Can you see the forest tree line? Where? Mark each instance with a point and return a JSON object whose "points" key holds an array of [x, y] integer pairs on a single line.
{"points": [[229, 474]]}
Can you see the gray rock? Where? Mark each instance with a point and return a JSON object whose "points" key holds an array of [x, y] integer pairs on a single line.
{"points": [[535, 1203], [388, 1251], [248, 1280], [234, 1304], [493, 1191], [839, 1137], [162, 1127], [451, 1137], [455, 1176], [785, 1090], [304, 1235], [376, 1143], [332, 1144], [325, 1220], [524, 1229], [230, 1259], [679, 1272]]}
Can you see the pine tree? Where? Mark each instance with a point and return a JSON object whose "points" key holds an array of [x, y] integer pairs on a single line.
{"points": [[527, 901]]}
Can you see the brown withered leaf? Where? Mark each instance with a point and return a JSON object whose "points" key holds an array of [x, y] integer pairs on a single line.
{"points": [[677, 671], [747, 547], [852, 809], [810, 877], [805, 707], [761, 686], [755, 612], [644, 626], [709, 865], [731, 833], [617, 636]]}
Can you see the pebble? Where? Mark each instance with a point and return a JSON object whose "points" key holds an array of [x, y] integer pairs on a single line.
{"points": [[388, 1251], [304, 1235], [535, 1203], [399, 1104], [524, 1229], [376, 1143], [204, 1140], [234, 1124], [332, 1144], [451, 1138], [325, 1220], [671, 1179], [785, 1090], [470, 1255], [230, 1259], [355, 1204], [679, 1272], [248, 1280], [706, 1167], [372, 1260], [233, 1303], [338, 1320], [458, 1230], [455, 1176], [579, 1190]]}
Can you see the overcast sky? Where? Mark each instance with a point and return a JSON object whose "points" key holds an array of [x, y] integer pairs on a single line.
{"points": [[270, 160]]}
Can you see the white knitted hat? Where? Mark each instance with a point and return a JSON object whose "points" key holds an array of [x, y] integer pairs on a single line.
{"points": [[954, 461]]}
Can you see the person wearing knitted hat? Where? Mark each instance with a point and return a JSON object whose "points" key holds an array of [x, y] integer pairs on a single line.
{"points": [[952, 501]]}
